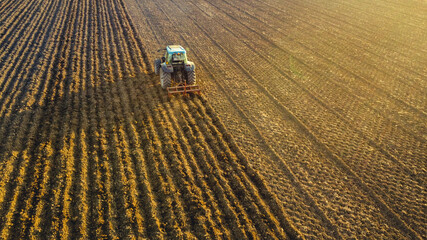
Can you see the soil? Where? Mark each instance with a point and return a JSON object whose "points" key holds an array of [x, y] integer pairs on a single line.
{"points": [[312, 122]]}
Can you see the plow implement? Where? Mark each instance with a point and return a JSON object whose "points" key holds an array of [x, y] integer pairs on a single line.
{"points": [[183, 90]]}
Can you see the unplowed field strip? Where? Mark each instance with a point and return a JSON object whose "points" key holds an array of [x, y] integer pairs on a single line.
{"points": [[91, 148], [355, 82], [311, 110], [329, 89]]}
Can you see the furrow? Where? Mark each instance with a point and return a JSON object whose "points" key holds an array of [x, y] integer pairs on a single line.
{"points": [[33, 130], [62, 174], [13, 123], [45, 153], [10, 123]]}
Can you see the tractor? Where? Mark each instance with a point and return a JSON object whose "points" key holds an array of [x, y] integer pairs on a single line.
{"points": [[177, 74]]}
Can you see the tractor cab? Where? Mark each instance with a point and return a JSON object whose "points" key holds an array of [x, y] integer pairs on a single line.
{"points": [[175, 55]]}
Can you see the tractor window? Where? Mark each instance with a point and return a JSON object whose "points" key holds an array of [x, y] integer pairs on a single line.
{"points": [[178, 57]]}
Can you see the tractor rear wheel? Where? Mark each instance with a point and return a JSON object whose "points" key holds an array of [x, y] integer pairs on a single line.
{"points": [[191, 77], [157, 66], [165, 79]]}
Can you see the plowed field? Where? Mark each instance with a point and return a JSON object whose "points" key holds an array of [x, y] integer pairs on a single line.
{"points": [[327, 99], [90, 147], [313, 121]]}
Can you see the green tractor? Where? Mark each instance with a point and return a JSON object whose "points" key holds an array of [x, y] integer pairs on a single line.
{"points": [[177, 74]]}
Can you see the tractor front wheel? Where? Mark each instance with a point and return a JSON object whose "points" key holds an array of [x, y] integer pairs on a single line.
{"points": [[165, 79], [191, 77]]}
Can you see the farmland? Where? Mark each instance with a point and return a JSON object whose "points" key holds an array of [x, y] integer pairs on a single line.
{"points": [[312, 122]]}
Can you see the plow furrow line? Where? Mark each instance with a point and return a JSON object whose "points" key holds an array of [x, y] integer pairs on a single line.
{"points": [[97, 183], [203, 193], [60, 186], [70, 193], [6, 5], [33, 131], [22, 85], [16, 70], [132, 207], [92, 108], [114, 65], [19, 20], [9, 124], [111, 200], [47, 153], [11, 15]]}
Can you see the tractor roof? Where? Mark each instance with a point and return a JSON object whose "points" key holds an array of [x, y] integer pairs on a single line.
{"points": [[175, 49]]}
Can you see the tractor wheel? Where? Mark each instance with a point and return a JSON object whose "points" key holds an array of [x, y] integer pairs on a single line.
{"points": [[157, 66], [165, 79], [191, 77]]}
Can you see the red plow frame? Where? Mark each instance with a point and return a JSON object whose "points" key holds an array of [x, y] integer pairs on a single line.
{"points": [[183, 89]]}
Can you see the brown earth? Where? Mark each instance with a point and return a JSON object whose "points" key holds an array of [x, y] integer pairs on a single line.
{"points": [[313, 121], [327, 99], [91, 148]]}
